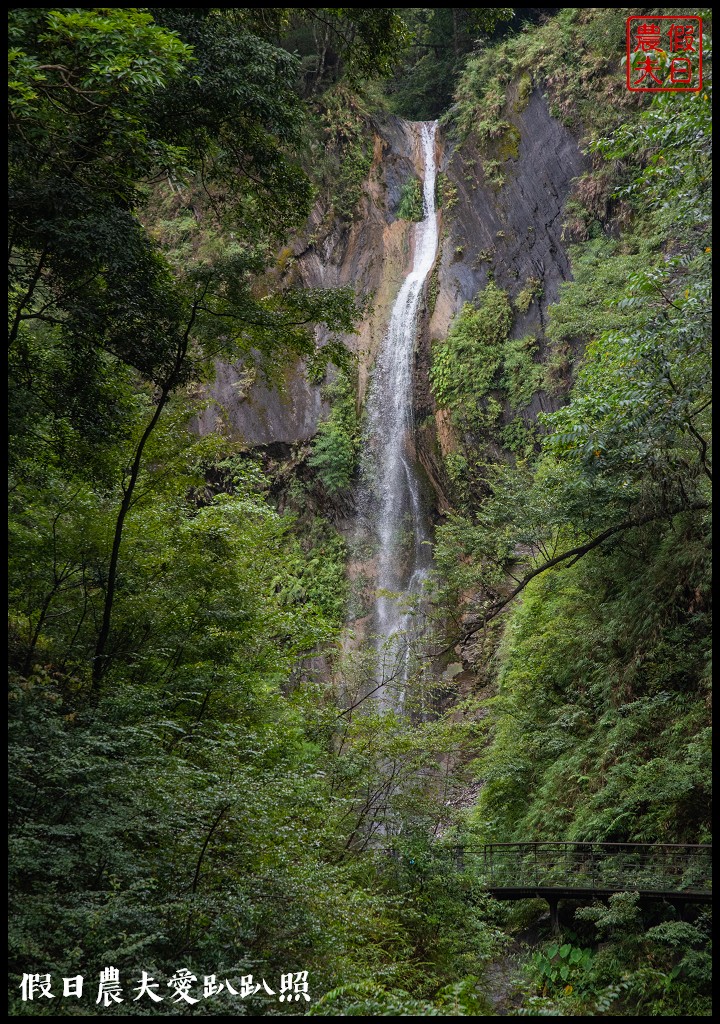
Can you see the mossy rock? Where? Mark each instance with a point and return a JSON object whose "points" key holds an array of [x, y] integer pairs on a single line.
{"points": [[508, 147]]}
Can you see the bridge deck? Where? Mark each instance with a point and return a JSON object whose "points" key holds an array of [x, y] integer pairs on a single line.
{"points": [[569, 893]]}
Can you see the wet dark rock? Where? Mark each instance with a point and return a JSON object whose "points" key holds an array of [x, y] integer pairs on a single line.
{"points": [[372, 255], [515, 232], [512, 234]]}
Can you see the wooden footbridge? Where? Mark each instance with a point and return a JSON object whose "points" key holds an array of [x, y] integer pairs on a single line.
{"points": [[580, 871]]}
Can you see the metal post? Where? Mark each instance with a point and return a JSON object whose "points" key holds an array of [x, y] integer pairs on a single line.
{"points": [[554, 920]]}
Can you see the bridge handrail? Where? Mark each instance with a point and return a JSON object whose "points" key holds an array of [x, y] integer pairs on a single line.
{"points": [[678, 867], [591, 842]]}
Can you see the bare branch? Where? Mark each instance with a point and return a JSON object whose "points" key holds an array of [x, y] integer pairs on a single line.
{"points": [[574, 554]]}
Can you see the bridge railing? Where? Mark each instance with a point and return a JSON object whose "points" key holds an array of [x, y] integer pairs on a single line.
{"points": [[604, 866]]}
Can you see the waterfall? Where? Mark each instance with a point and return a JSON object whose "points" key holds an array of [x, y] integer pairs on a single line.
{"points": [[399, 522]]}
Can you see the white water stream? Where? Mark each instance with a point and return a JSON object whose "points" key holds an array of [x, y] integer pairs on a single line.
{"points": [[399, 522]]}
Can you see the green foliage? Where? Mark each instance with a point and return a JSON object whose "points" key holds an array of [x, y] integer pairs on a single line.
{"points": [[411, 201], [465, 366], [375, 39], [520, 437], [211, 800], [239, 114], [676, 181], [532, 290], [478, 357], [485, 120], [599, 729], [433, 288], [226, 617], [442, 37], [212, 796], [475, 369], [557, 369], [347, 130], [666, 968], [601, 270], [578, 746], [336, 446], [182, 787], [525, 88], [633, 444], [446, 197], [543, 54], [561, 965], [461, 999], [88, 286], [111, 60], [639, 394], [566, 981], [342, 43], [522, 376], [643, 392], [494, 173]]}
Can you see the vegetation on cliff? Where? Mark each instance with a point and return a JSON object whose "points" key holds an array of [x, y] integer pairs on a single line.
{"points": [[600, 728], [198, 781], [187, 793]]}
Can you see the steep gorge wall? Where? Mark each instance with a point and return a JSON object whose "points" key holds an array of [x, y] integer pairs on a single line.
{"points": [[372, 254], [512, 233]]}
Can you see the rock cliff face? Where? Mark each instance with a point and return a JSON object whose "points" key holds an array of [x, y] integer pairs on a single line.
{"points": [[513, 232], [372, 254]]}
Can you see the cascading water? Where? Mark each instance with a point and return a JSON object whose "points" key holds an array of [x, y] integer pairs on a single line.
{"points": [[399, 522]]}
